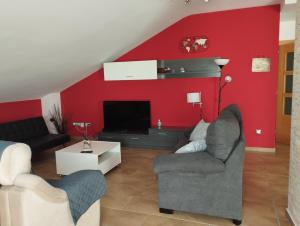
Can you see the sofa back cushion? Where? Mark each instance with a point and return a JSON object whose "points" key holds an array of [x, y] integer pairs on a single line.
{"points": [[222, 135], [23, 130]]}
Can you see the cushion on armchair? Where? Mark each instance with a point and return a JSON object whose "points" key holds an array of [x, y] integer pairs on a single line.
{"points": [[222, 135]]}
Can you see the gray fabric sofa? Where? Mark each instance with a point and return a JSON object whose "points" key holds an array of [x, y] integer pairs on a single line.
{"points": [[208, 182]]}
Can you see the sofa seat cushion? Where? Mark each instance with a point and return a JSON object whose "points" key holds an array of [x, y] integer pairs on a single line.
{"points": [[47, 141], [222, 135], [197, 162]]}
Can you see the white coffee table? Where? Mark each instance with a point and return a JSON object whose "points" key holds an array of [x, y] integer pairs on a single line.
{"points": [[105, 156]]}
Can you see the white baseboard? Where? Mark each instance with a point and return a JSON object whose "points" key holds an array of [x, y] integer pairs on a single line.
{"points": [[261, 149], [290, 217]]}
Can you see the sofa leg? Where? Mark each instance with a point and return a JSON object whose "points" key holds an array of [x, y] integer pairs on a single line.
{"points": [[237, 222], [166, 211]]}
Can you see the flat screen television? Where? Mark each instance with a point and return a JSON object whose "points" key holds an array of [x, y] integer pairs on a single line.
{"points": [[127, 116]]}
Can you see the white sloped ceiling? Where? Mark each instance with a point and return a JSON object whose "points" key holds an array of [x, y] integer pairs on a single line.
{"points": [[46, 46]]}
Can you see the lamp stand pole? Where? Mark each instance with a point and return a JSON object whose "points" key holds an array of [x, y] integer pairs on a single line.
{"points": [[221, 87], [221, 63], [220, 91], [219, 95]]}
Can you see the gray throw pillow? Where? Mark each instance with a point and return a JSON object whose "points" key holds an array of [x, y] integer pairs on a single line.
{"points": [[199, 132], [222, 135]]}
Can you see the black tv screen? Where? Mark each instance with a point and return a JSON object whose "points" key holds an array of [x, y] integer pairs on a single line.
{"points": [[127, 116]]}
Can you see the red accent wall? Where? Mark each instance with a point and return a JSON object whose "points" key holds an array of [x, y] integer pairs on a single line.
{"points": [[12, 111], [238, 35]]}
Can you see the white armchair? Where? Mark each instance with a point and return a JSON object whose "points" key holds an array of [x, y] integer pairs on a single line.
{"points": [[28, 200]]}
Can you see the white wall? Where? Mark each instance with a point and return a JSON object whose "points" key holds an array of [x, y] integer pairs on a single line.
{"points": [[288, 20], [287, 30], [48, 103]]}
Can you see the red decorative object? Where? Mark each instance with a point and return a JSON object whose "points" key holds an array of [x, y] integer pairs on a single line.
{"points": [[194, 44]]}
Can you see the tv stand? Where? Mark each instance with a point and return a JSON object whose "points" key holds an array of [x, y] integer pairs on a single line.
{"points": [[164, 138]]}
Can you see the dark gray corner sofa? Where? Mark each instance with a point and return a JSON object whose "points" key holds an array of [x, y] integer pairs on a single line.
{"points": [[208, 182], [32, 131]]}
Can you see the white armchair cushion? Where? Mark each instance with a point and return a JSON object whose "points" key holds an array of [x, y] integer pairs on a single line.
{"points": [[15, 160]]}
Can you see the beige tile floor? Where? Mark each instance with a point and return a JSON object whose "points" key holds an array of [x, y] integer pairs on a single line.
{"points": [[131, 199]]}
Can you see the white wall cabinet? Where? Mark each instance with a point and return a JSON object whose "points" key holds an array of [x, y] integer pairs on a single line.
{"points": [[131, 70]]}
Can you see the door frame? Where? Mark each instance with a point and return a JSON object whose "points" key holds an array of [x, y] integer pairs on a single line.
{"points": [[280, 90]]}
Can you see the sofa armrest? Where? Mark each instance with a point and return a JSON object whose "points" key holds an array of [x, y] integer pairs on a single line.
{"points": [[41, 187], [198, 162]]}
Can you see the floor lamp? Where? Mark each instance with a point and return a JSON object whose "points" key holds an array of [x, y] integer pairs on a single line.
{"points": [[221, 63]]}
